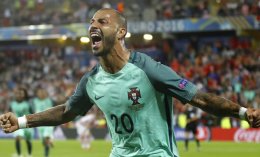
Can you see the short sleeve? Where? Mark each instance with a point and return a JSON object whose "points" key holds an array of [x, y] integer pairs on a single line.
{"points": [[80, 102]]}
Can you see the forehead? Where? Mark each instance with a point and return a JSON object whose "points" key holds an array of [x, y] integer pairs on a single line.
{"points": [[17, 91], [104, 14]]}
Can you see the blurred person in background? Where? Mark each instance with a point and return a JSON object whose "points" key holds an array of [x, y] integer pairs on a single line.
{"points": [[192, 119], [83, 126], [40, 103], [135, 94], [20, 106]]}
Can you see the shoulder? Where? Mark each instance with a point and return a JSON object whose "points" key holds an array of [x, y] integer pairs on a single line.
{"points": [[147, 64], [139, 58], [12, 103], [80, 88], [144, 62], [92, 72], [34, 99], [26, 103], [49, 100]]}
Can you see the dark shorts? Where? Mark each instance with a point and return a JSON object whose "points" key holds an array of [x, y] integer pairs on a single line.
{"points": [[191, 127]]}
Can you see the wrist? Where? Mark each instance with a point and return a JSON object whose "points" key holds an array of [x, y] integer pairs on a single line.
{"points": [[22, 122], [242, 113]]}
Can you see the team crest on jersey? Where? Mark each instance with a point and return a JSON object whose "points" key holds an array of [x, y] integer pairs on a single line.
{"points": [[134, 94]]}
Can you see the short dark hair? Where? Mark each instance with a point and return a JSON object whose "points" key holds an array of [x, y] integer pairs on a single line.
{"points": [[26, 95], [122, 21]]}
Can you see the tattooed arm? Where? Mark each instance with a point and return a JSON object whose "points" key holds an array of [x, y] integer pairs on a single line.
{"points": [[51, 117], [220, 106], [216, 105]]}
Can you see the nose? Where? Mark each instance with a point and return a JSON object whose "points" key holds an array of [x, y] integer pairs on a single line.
{"points": [[92, 28]]}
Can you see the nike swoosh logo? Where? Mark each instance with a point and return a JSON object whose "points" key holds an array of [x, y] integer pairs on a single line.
{"points": [[98, 97]]}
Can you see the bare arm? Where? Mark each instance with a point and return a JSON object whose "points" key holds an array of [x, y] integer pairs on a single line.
{"points": [[51, 117], [215, 105], [54, 116], [222, 107]]}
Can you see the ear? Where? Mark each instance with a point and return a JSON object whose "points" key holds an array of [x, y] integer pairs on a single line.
{"points": [[121, 33]]}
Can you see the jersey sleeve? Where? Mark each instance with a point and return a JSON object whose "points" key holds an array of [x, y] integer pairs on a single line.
{"points": [[165, 80], [79, 102]]}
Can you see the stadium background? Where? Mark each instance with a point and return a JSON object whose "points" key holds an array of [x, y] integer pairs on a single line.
{"points": [[213, 43]]}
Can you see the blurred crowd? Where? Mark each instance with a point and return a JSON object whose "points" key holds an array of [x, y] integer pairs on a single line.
{"points": [[57, 70], [228, 68], [58, 12]]}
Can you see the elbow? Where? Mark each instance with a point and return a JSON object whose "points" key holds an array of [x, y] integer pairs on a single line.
{"points": [[68, 115]]}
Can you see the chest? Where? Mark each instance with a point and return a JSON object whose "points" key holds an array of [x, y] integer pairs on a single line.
{"points": [[41, 105], [20, 108], [125, 93]]}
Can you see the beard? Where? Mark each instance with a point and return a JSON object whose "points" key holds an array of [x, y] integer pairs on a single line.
{"points": [[108, 44]]}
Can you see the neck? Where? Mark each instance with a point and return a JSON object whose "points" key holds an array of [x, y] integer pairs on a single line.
{"points": [[115, 60]]}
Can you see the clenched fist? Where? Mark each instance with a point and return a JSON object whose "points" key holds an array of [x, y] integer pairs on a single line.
{"points": [[253, 117], [9, 122]]}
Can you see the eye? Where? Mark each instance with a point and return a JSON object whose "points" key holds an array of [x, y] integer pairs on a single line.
{"points": [[103, 21]]}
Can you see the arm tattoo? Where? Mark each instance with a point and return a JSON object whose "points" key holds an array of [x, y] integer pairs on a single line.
{"points": [[51, 117], [215, 105]]}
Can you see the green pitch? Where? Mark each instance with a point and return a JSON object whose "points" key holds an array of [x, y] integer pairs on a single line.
{"points": [[71, 148]]}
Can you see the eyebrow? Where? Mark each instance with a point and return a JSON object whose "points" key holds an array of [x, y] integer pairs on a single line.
{"points": [[99, 19]]}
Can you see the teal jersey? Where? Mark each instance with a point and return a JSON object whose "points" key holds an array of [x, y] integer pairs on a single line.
{"points": [[40, 105], [20, 108], [137, 104]]}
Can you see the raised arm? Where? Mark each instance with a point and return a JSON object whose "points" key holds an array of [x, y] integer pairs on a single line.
{"points": [[51, 117], [220, 106], [54, 116], [77, 104], [170, 83]]}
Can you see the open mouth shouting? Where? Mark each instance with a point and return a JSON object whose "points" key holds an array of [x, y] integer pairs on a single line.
{"points": [[96, 39]]}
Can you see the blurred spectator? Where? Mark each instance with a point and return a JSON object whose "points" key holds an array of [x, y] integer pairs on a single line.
{"points": [[229, 68], [57, 12], [230, 72], [34, 67]]}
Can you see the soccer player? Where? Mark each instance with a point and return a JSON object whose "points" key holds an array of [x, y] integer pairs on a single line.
{"points": [[134, 92], [20, 106], [191, 126], [40, 103], [83, 126]]}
